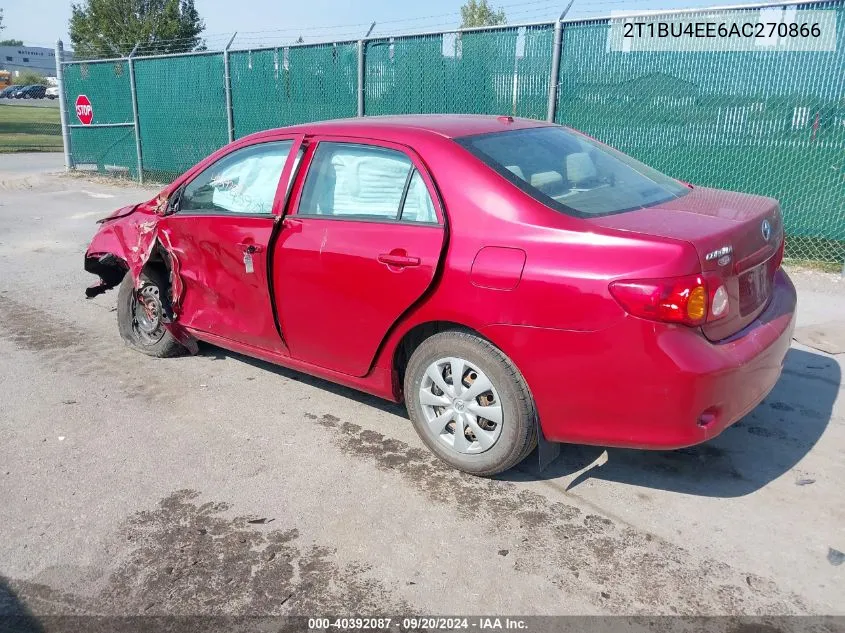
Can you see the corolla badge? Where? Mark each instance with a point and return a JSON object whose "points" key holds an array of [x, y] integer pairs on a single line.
{"points": [[722, 254], [766, 230]]}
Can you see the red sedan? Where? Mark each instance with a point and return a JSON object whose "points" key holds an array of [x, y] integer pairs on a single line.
{"points": [[509, 279]]}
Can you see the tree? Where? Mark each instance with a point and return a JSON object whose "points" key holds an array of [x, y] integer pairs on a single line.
{"points": [[479, 13], [31, 77], [111, 28], [7, 42]]}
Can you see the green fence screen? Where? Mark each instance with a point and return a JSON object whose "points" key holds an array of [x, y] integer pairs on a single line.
{"points": [[106, 84], [770, 123], [181, 111], [505, 71], [288, 85]]}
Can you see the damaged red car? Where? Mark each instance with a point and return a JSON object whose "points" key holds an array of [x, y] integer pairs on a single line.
{"points": [[512, 281]]}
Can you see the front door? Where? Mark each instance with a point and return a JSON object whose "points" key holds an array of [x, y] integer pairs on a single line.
{"points": [[220, 233], [362, 246]]}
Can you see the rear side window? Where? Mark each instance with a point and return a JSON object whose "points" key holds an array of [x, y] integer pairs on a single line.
{"points": [[418, 206], [572, 173], [363, 182], [242, 182]]}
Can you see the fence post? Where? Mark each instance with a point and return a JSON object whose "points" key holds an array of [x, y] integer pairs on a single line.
{"points": [[60, 83], [554, 83], [360, 77], [555, 73], [133, 90], [361, 61], [227, 84]]}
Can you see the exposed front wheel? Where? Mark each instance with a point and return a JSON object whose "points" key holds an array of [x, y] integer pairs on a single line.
{"points": [[141, 313], [469, 403]]}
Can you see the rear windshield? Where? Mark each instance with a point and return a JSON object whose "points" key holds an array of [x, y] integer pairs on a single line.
{"points": [[571, 172]]}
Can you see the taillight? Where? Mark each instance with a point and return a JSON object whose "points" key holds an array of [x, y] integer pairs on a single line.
{"points": [[691, 300]]}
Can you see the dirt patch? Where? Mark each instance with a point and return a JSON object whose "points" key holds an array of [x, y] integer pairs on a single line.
{"points": [[620, 569], [31, 329], [73, 349], [41, 183], [188, 557], [113, 180]]}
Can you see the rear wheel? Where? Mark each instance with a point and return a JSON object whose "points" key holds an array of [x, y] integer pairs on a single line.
{"points": [[141, 313], [469, 403]]}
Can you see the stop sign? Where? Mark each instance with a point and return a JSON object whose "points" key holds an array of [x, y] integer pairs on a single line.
{"points": [[84, 111]]}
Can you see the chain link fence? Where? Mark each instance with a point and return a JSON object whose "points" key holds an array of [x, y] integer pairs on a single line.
{"points": [[762, 121], [27, 125]]}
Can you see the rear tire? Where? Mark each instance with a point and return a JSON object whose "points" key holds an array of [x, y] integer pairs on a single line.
{"points": [[449, 415], [140, 316]]}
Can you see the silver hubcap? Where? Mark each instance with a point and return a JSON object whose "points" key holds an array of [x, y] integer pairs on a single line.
{"points": [[461, 405]]}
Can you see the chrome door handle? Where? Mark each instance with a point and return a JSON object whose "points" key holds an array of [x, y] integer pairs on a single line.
{"points": [[400, 261]]}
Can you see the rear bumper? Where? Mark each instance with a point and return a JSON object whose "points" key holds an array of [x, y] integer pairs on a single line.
{"points": [[650, 385]]}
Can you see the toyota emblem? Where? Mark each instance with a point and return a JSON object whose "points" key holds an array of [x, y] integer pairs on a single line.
{"points": [[766, 230]]}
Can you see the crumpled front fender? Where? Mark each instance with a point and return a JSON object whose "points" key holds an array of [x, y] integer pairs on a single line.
{"points": [[129, 238], [124, 244]]}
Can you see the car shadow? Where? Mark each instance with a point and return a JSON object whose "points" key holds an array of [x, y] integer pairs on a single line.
{"points": [[761, 447], [15, 617], [219, 353]]}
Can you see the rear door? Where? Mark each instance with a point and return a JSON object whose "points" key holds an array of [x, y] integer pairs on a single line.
{"points": [[360, 247], [220, 235]]}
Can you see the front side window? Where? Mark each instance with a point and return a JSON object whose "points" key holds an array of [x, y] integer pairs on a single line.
{"points": [[364, 182], [243, 182], [572, 173]]}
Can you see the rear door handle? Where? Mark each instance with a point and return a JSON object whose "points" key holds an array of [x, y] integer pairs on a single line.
{"points": [[400, 261]]}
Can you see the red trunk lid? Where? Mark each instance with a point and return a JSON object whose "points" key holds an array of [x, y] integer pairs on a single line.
{"points": [[736, 235]]}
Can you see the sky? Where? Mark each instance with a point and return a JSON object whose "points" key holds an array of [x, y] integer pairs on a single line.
{"points": [[272, 22]]}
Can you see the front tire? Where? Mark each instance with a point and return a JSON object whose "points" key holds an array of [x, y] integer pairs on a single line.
{"points": [[141, 313], [482, 423]]}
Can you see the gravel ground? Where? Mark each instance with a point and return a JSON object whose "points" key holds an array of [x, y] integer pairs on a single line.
{"points": [[224, 485]]}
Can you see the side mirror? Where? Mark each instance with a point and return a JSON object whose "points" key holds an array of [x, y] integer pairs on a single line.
{"points": [[172, 204]]}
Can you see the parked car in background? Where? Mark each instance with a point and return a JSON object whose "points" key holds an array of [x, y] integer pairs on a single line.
{"points": [[52, 92], [34, 91], [505, 277], [18, 94], [9, 93]]}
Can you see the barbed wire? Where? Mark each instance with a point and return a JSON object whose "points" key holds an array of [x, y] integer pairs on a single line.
{"points": [[455, 13], [523, 11], [441, 25], [321, 34]]}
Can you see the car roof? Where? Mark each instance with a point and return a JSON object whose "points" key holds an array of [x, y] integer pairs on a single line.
{"points": [[397, 127]]}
